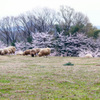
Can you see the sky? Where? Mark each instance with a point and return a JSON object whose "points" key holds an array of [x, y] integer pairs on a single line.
{"points": [[90, 8]]}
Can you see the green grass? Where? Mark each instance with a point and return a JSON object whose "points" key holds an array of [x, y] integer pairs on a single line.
{"points": [[40, 78], [4, 81]]}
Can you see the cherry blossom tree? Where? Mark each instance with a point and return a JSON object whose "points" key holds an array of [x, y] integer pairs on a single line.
{"points": [[21, 46], [77, 44], [73, 45], [42, 40]]}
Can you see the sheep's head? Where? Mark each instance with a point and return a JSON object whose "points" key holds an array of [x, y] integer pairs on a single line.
{"points": [[32, 55], [33, 52]]}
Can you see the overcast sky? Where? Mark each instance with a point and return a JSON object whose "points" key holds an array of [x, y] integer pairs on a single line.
{"points": [[91, 8]]}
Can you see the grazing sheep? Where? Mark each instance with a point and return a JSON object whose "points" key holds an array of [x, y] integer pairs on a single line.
{"points": [[1, 52], [37, 50], [7, 50], [27, 52], [19, 53], [44, 52], [12, 49], [33, 52], [88, 55], [4, 51]]}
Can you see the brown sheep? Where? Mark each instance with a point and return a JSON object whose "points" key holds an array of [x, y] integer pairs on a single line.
{"points": [[1, 52], [12, 49], [37, 50], [27, 52], [6, 51], [44, 52], [33, 52]]}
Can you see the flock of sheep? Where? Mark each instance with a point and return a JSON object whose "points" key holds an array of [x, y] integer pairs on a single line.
{"points": [[33, 52], [8, 50], [36, 52]]}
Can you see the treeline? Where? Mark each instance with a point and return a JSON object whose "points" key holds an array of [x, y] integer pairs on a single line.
{"points": [[66, 20]]}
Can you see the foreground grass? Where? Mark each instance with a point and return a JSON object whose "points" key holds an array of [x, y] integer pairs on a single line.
{"points": [[27, 78]]}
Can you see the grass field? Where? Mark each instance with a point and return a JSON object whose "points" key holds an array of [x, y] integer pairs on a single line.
{"points": [[40, 78]]}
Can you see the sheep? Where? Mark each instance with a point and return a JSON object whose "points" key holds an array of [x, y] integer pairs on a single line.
{"points": [[33, 52], [6, 51], [37, 50], [19, 53], [27, 52], [44, 52], [88, 55], [12, 49], [1, 52]]}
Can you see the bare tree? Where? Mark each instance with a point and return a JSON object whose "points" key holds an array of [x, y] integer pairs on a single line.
{"points": [[66, 15], [79, 19], [69, 18], [44, 19], [7, 30], [23, 27]]}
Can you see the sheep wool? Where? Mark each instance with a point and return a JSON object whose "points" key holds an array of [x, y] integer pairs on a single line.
{"points": [[26, 52], [37, 50], [1, 50], [33, 52], [19, 53], [88, 56], [44, 52], [12, 49]]}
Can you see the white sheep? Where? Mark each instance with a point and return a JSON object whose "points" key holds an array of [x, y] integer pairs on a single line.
{"points": [[19, 53], [88, 55]]}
